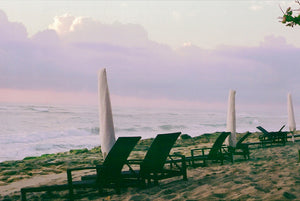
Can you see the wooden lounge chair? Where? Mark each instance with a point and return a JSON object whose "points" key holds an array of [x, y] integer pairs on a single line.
{"points": [[156, 166], [217, 153], [241, 148], [278, 137], [108, 174]]}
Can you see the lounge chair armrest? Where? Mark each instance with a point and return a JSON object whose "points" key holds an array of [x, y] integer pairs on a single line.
{"points": [[197, 149], [80, 168], [206, 148], [177, 155], [134, 161], [174, 162], [70, 170], [200, 149]]}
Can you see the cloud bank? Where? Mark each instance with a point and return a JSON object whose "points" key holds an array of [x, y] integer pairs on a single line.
{"points": [[67, 56]]}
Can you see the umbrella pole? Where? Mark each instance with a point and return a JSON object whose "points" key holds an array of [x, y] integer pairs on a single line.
{"points": [[293, 138]]}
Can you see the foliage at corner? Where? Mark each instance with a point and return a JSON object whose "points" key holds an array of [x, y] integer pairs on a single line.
{"points": [[289, 18]]}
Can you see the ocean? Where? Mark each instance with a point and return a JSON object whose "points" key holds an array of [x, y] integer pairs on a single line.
{"points": [[33, 130]]}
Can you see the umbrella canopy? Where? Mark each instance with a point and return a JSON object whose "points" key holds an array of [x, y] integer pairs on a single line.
{"points": [[107, 131], [291, 117], [231, 121]]}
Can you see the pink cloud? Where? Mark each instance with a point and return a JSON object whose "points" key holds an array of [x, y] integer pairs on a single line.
{"points": [[66, 61], [11, 31], [274, 42], [47, 97], [76, 29]]}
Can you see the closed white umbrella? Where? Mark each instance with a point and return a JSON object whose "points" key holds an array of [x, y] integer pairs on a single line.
{"points": [[231, 120], [107, 131], [291, 117]]}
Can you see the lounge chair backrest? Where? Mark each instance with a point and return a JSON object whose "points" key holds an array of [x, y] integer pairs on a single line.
{"points": [[218, 144], [264, 131], [117, 156], [281, 128], [158, 152], [241, 140]]}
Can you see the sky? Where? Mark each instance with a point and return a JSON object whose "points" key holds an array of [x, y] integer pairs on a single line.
{"points": [[157, 53]]}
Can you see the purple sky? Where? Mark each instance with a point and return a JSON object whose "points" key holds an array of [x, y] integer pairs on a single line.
{"points": [[67, 61]]}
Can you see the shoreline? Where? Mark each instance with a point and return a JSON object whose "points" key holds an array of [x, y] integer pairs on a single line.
{"points": [[264, 163]]}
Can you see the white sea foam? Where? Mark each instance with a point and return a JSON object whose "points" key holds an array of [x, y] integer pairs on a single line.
{"points": [[33, 130]]}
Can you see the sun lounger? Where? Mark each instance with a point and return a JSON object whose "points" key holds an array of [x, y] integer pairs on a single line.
{"points": [[108, 174], [241, 148], [158, 164], [278, 137], [217, 153]]}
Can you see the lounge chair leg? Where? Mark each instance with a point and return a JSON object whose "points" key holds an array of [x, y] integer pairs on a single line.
{"points": [[184, 174], [118, 187], [118, 190], [71, 194], [70, 184], [100, 189], [143, 183], [23, 195], [155, 179], [149, 181]]}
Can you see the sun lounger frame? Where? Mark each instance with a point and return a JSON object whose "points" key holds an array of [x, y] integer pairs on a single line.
{"points": [[272, 138], [108, 174], [158, 164], [217, 153]]}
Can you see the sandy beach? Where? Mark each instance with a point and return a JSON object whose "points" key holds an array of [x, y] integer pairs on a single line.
{"points": [[272, 173]]}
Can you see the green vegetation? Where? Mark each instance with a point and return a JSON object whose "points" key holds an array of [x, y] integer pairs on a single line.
{"points": [[289, 18], [11, 171]]}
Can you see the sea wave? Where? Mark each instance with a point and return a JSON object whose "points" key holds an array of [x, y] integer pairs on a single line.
{"points": [[169, 127], [38, 108], [93, 130], [215, 125], [30, 130]]}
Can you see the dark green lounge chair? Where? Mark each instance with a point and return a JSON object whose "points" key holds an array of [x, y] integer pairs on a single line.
{"points": [[241, 148], [217, 153], [271, 138], [157, 163], [108, 174]]}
